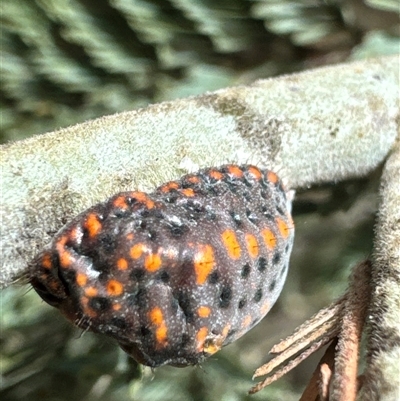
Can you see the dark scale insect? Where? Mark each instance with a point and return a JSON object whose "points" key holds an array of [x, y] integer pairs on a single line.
{"points": [[176, 274]]}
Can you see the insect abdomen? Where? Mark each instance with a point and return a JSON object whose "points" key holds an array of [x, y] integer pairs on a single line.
{"points": [[176, 274]]}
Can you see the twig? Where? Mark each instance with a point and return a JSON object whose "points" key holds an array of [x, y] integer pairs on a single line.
{"points": [[345, 386], [329, 315], [308, 338], [343, 319], [290, 364], [319, 382], [325, 379], [382, 374]]}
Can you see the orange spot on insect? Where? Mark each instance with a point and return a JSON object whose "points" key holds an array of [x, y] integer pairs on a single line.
{"points": [[269, 238], [65, 258], [130, 237], [231, 244], [246, 321], [235, 171], [217, 175], [114, 288], [203, 311], [157, 319], [120, 202], [91, 292], [265, 308], [161, 335], [46, 261], [255, 172], [143, 198], [203, 262], [252, 245], [282, 227], [187, 192], [156, 316], [152, 262], [81, 279], [272, 177], [137, 250], [194, 179], [201, 336], [86, 309], [62, 241], [169, 186], [116, 307], [93, 225], [122, 264]]}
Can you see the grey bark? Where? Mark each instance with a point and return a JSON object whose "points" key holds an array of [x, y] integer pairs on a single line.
{"points": [[382, 373]]}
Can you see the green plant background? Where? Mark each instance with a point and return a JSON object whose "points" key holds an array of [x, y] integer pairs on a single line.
{"points": [[64, 62]]}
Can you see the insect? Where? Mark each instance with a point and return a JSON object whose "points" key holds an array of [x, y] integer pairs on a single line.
{"points": [[176, 274]]}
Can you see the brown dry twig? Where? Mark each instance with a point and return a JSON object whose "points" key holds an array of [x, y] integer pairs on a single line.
{"points": [[344, 383], [316, 332], [343, 322], [318, 386]]}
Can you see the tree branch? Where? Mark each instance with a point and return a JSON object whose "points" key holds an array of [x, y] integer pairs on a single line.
{"points": [[382, 374], [326, 124]]}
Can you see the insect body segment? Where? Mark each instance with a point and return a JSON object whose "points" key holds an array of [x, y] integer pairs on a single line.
{"points": [[176, 274]]}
